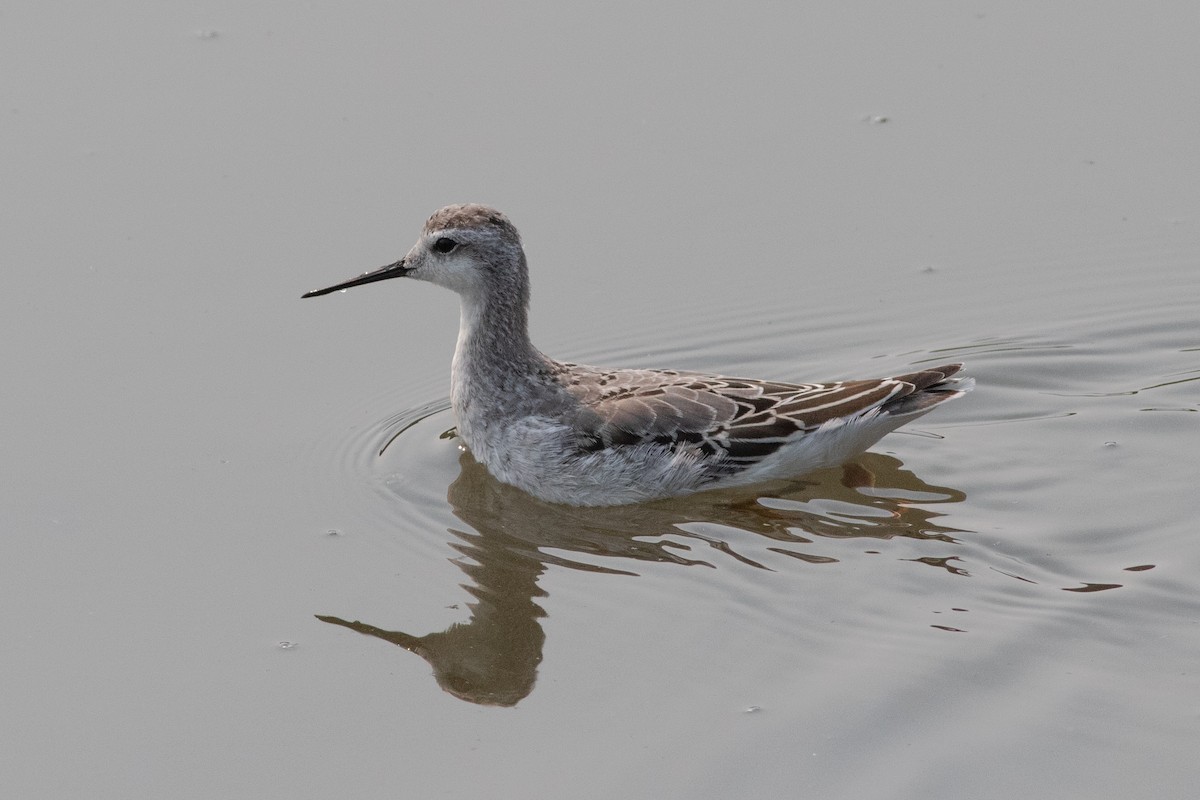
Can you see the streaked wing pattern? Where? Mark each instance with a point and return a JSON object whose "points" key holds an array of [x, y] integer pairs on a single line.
{"points": [[741, 420]]}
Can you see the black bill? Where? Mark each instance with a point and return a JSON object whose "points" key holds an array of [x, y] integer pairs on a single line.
{"points": [[397, 270]]}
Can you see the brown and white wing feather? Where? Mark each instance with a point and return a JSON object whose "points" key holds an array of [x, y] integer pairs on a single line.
{"points": [[736, 422]]}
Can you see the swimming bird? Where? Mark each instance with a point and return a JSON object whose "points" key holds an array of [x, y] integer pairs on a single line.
{"points": [[591, 436]]}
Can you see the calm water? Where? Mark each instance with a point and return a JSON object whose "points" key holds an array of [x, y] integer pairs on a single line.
{"points": [[242, 557]]}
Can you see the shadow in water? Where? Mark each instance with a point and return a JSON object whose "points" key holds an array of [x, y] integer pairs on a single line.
{"points": [[492, 658]]}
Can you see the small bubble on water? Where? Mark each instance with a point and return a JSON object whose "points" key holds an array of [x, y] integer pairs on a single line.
{"points": [[1110, 444], [286, 645], [878, 119], [752, 709], [333, 532]]}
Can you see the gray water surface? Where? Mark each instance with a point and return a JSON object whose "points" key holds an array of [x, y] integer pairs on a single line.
{"points": [[241, 558]]}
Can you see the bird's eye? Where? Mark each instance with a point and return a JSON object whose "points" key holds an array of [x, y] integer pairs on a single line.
{"points": [[444, 245]]}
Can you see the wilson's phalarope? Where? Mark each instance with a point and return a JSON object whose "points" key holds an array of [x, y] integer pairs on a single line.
{"points": [[580, 435]]}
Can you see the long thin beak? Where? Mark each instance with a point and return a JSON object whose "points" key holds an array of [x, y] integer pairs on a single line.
{"points": [[397, 270]]}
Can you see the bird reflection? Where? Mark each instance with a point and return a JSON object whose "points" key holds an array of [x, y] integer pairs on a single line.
{"points": [[492, 659]]}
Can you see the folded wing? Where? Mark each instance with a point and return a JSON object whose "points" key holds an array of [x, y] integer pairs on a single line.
{"points": [[737, 422]]}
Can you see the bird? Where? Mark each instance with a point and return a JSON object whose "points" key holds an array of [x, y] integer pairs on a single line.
{"points": [[580, 435]]}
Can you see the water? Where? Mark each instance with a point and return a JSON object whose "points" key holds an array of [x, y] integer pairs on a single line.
{"points": [[229, 514]]}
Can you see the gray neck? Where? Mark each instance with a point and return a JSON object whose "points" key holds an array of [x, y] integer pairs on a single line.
{"points": [[495, 357], [494, 334]]}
